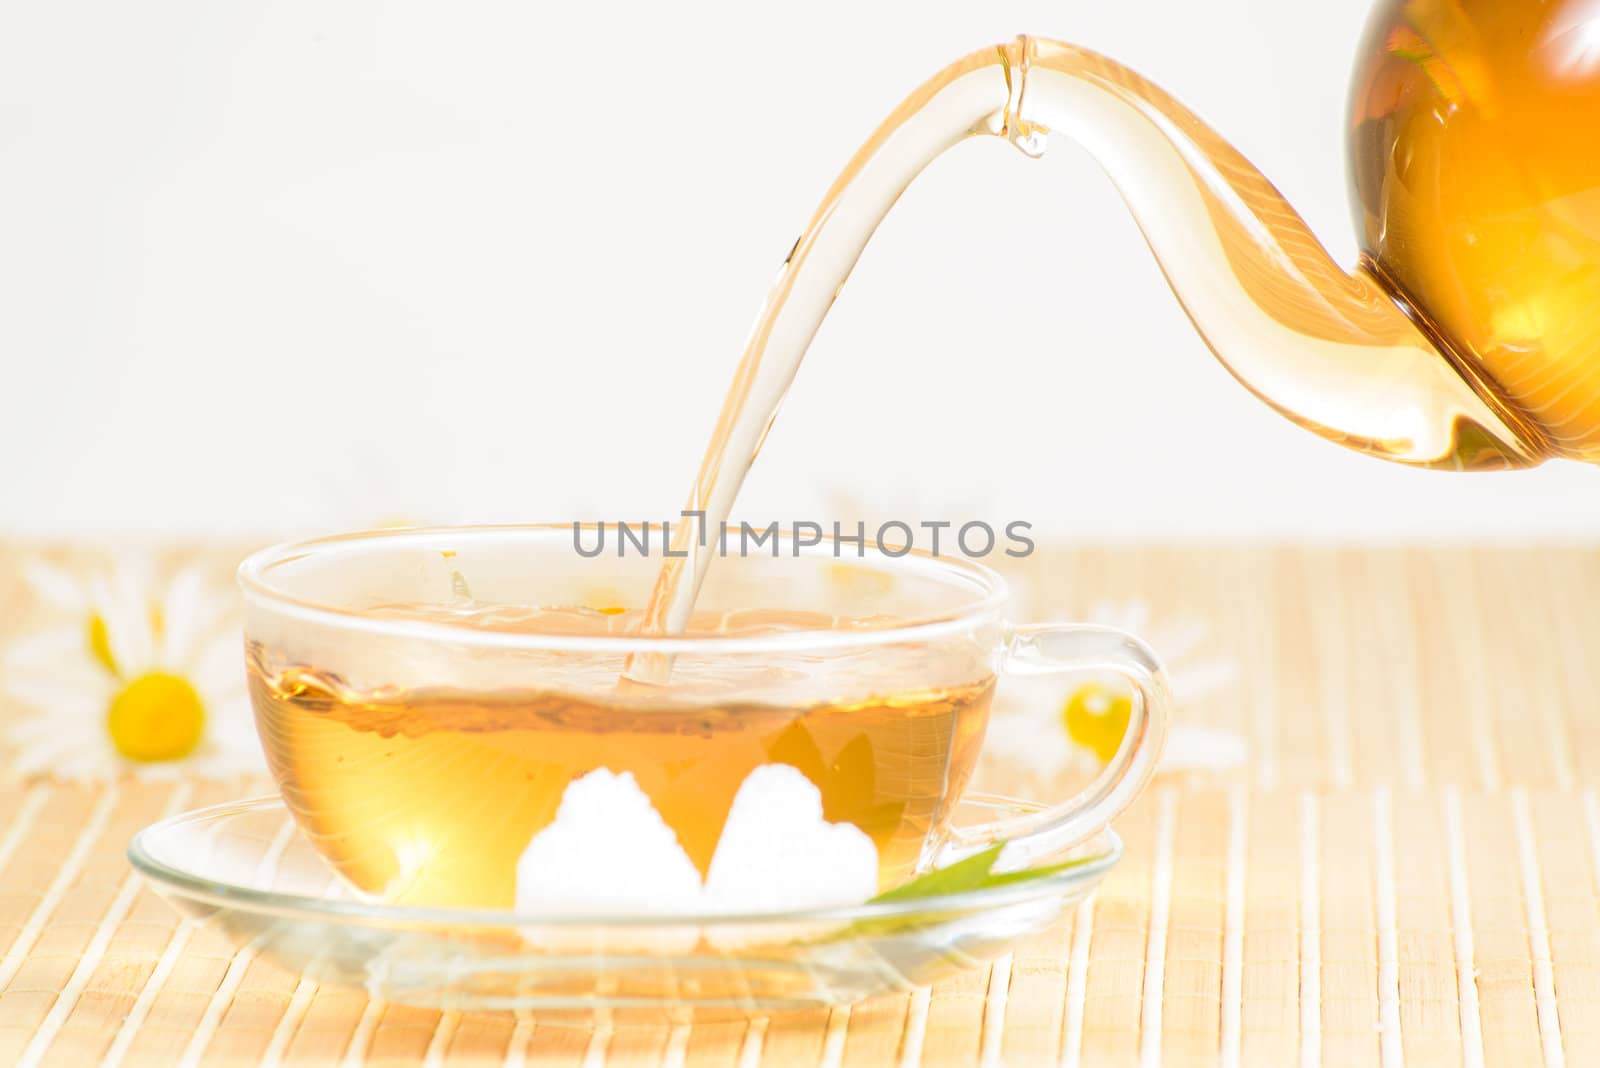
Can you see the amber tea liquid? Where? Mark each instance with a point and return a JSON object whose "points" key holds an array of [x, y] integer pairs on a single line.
{"points": [[430, 796]]}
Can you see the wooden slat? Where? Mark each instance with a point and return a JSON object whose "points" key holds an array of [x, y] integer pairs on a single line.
{"points": [[1192, 981], [1407, 869], [1500, 932], [1037, 998], [1349, 934], [1115, 983], [1430, 1008], [1270, 1007]]}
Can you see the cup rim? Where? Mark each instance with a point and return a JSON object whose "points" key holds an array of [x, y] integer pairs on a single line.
{"points": [[254, 582]]}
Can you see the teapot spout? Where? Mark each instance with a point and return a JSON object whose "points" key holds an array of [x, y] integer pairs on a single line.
{"points": [[1331, 350]]}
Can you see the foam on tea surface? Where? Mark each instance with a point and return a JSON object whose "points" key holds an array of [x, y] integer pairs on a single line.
{"points": [[430, 795]]}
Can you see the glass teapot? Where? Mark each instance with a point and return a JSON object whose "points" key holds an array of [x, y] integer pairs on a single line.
{"points": [[1467, 337]]}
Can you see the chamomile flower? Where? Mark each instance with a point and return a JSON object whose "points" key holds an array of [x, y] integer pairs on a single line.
{"points": [[128, 676], [1047, 726]]}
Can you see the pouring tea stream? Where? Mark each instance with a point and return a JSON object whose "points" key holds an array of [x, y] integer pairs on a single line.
{"points": [[1461, 340], [1466, 338]]}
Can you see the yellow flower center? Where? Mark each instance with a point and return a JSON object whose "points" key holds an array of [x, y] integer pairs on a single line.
{"points": [[1097, 718], [156, 717], [100, 637]]}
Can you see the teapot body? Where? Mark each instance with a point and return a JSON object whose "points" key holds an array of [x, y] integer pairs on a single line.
{"points": [[1474, 146]]}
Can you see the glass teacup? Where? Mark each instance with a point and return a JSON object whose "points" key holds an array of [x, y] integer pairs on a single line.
{"points": [[447, 715]]}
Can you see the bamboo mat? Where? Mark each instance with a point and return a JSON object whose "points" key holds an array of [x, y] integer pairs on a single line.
{"points": [[1407, 871]]}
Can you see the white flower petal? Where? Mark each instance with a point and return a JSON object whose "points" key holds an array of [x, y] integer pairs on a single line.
{"points": [[1036, 742], [1130, 616], [231, 746], [1194, 680], [1177, 640], [125, 609], [74, 696], [218, 665], [224, 765], [157, 770], [134, 574], [29, 729], [777, 852], [233, 717], [66, 754], [68, 716], [56, 588], [47, 650], [181, 616]]}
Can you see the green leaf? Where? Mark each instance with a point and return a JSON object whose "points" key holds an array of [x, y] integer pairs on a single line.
{"points": [[968, 874], [971, 873]]}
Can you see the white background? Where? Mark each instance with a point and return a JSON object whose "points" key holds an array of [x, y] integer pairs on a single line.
{"points": [[290, 267]]}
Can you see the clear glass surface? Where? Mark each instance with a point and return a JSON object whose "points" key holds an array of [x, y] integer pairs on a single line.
{"points": [[426, 697], [245, 869]]}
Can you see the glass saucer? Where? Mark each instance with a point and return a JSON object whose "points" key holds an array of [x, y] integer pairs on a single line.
{"points": [[245, 868]]}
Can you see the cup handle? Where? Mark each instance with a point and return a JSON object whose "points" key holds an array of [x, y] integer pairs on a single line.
{"points": [[1052, 648]]}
